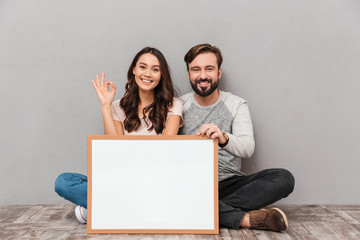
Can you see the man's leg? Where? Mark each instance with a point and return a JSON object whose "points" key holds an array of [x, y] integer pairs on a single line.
{"points": [[240, 194], [72, 187], [229, 216]]}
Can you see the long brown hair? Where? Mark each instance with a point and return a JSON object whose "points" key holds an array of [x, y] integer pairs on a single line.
{"points": [[163, 96]]}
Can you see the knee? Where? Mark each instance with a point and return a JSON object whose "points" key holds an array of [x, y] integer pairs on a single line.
{"points": [[287, 181], [60, 183]]}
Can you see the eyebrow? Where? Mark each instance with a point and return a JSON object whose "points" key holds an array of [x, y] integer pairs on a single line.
{"points": [[199, 67], [146, 64]]}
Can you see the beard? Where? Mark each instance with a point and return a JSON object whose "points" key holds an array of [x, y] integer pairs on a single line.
{"points": [[203, 91]]}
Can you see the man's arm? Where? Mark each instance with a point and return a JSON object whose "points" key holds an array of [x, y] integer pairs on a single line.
{"points": [[241, 140]]}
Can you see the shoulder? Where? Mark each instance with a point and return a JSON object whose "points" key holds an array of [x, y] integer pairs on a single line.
{"points": [[176, 101], [229, 97], [187, 100], [232, 102], [187, 97], [115, 106], [176, 105], [116, 103]]}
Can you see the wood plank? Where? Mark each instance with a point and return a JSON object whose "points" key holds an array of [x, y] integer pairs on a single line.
{"points": [[236, 234], [261, 235], [224, 233], [345, 230], [321, 231], [6, 234], [269, 235], [355, 215], [298, 231], [11, 213], [343, 207], [320, 209], [166, 236], [345, 216], [205, 237], [247, 233]]}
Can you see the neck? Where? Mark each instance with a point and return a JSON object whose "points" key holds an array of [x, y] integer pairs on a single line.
{"points": [[146, 96], [208, 100]]}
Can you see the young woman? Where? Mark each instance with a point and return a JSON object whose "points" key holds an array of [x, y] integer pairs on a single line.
{"points": [[148, 107]]}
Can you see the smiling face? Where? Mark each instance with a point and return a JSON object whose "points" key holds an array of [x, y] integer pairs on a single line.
{"points": [[204, 74], [147, 72]]}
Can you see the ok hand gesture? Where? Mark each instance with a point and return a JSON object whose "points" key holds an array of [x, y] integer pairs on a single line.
{"points": [[105, 96]]}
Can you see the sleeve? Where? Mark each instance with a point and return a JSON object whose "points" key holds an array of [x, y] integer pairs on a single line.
{"points": [[241, 140], [117, 113], [176, 109]]}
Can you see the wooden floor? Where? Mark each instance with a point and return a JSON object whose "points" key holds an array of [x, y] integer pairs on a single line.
{"points": [[59, 222]]}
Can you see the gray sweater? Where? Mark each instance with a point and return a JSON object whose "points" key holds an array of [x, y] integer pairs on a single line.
{"points": [[231, 114]]}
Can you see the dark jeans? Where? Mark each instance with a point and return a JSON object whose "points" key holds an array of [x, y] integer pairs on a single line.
{"points": [[240, 194]]}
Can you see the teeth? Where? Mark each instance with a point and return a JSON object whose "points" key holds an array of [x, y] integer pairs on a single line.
{"points": [[203, 83], [147, 81]]}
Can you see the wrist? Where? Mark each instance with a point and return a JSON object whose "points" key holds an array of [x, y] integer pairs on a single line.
{"points": [[105, 107], [105, 104], [226, 140]]}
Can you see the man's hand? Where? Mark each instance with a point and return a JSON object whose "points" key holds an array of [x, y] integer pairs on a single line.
{"points": [[212, 131]]}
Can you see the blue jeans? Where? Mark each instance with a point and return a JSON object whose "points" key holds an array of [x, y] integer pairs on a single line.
{"points": [[240, 194], [72, 187]]}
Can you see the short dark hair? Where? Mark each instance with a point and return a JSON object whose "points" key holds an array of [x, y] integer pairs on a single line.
{"points": [[202, 48]]}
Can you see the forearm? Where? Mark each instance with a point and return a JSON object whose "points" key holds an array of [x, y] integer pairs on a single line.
{"points": [[172, 126], [109, 125], [240, 146]]}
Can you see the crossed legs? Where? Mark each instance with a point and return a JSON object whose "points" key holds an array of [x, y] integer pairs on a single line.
{"points": [[237, 195], [241, 194]]}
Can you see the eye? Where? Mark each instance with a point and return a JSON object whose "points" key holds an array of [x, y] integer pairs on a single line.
{"points": [[142, 67], [210, 68], [156, 69]]}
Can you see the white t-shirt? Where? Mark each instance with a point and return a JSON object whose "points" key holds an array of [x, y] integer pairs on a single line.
{"points": [[118, 114]]}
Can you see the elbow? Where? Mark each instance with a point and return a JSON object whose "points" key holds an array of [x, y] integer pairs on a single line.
{"points": [[250, 149], [246, 148]]}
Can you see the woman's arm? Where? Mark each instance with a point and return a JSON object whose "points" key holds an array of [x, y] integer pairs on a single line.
{"points": [[119, 127], [172, 126], [111, 127], [106, 97], [174, 121]]}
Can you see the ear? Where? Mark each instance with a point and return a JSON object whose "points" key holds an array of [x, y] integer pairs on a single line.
{"points": [[134, 70], [187, 71], [220, 72]]}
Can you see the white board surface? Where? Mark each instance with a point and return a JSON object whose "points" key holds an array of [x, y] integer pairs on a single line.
{"points": [[152, 184]]}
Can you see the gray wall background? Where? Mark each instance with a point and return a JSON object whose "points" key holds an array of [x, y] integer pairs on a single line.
{"points": [[296, 62]]}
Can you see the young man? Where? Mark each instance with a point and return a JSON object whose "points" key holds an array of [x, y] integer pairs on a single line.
{"points": [[217, 114]]}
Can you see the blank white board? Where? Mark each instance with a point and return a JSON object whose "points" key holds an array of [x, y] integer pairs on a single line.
{"points": [[152, 184]]}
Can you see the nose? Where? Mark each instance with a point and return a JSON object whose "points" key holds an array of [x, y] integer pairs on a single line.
{"points": [[147, 72], [203, 74]]}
